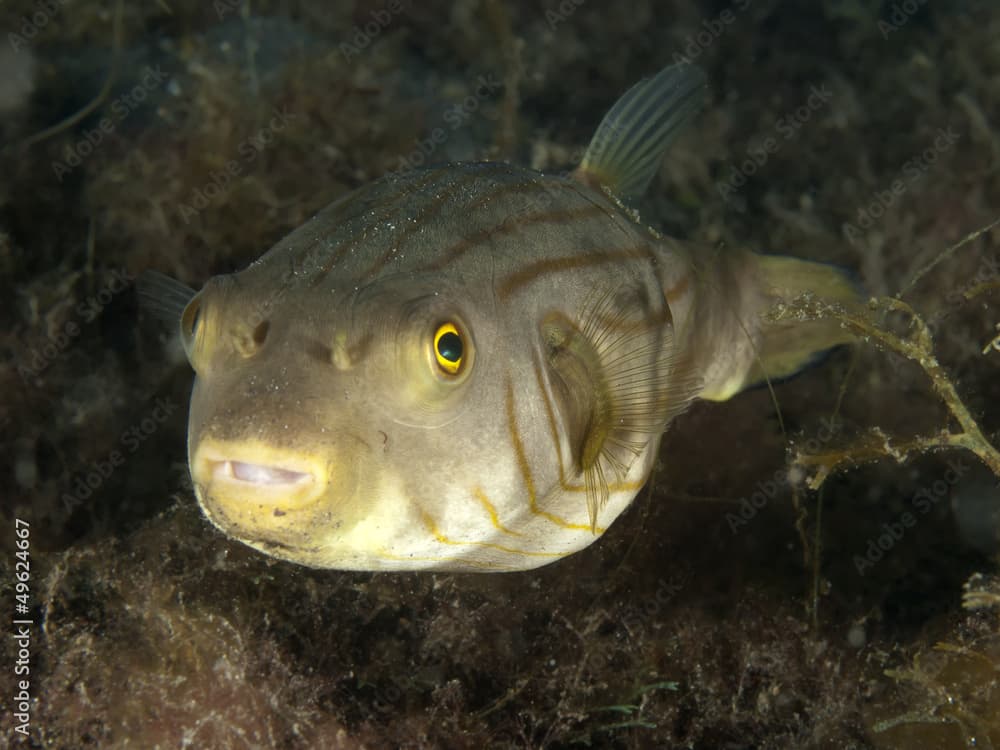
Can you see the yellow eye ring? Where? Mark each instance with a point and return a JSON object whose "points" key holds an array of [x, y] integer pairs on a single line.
{"points": [[449, 348]]}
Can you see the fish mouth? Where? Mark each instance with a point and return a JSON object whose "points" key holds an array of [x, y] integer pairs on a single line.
{"points": [[258, 474], [244, 480]]}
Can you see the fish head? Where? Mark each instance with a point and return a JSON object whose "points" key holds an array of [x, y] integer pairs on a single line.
{"points": [[337, 424]]}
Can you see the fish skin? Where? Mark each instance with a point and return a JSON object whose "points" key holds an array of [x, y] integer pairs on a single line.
{"points": [[585, 334]]}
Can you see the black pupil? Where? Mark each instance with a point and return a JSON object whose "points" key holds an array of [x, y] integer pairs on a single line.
{"points": [[450, 347]]}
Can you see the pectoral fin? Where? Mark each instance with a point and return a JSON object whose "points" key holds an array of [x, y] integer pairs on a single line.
{"points": [[163, 297], [616, 387]]}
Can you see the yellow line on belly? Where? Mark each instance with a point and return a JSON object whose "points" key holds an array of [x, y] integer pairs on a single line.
{"points": [[563, 481], [529, 482], [492, 511], [444, 539]]}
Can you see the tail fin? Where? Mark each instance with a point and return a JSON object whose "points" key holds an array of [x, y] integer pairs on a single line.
{"points": [[788, 346]]}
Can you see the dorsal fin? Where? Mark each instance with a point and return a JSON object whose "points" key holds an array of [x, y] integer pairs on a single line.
{"points": [[631, 140]]}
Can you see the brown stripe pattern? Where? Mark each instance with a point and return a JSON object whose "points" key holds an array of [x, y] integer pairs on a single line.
{"points": [[400, 222]]}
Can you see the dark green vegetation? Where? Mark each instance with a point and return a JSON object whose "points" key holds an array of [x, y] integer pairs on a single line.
{"points": [[729, 607]]}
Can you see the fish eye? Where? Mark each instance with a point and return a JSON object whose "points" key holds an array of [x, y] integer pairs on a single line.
{"points": [[449, 348]]}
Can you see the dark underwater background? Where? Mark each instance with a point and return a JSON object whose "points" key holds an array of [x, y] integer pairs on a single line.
{"points": [[730, 606]]}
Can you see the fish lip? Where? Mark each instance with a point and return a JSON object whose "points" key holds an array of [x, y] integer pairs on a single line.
{"points": [[247, 474]]}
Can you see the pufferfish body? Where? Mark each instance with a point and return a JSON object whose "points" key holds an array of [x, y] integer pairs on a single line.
{"points": [[469, 367]]}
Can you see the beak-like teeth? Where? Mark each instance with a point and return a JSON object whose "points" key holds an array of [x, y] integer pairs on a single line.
{"points": [[259, 474]]}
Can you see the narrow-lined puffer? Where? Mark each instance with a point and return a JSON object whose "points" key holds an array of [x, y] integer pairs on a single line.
{"points": [[469, 367]]}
